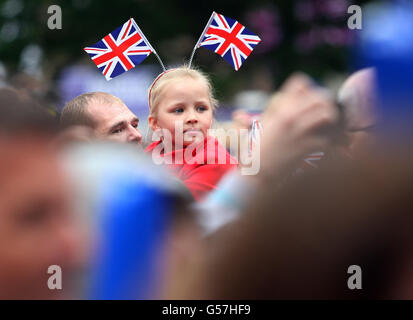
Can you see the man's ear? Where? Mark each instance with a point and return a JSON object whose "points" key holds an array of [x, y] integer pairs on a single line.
{"points": [[153, 122]]}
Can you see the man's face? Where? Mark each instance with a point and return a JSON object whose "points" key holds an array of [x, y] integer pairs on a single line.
{"points": [[115, 122], [37, 227]]}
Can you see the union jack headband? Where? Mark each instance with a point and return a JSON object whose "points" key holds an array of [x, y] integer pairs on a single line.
{"points": [[153, 83], [225, 36], [127, 46]]}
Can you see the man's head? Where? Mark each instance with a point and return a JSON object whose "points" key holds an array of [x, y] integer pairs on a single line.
{"points": [[106, 114]]}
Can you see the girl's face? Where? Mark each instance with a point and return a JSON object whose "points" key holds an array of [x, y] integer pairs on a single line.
{"points": [[185, 110]]}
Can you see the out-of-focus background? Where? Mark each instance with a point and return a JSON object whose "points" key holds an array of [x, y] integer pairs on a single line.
{"points": [[306, 35], [121, 227]]}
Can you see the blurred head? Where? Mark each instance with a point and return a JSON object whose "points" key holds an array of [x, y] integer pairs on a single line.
{"points": [[181, 99], [37, 226], [106, 114], [358, 98], [20, 114]]}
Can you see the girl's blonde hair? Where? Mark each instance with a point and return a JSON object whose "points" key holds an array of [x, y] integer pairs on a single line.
{"points": [[166, 77]]}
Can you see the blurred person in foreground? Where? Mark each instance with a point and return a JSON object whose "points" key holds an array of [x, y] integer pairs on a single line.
{"points": [[37, 225], [99, 115], [299, 242]]}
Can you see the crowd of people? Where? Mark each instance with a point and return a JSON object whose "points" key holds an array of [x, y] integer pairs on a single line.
{"points": [[175, 216]]}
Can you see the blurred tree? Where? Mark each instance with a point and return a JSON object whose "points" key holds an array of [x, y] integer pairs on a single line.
{"points": [[307, 35]]}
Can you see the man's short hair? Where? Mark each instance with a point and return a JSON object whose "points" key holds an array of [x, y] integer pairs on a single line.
{"points": [[75, 112]]}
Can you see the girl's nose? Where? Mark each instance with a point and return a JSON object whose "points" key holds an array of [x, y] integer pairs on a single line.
{"points": [[191, 118]]}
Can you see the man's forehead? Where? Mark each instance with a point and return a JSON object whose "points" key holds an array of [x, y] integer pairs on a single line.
{"points": [[106, 114]]}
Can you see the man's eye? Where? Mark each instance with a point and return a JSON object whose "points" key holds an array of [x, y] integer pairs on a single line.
{"points": [[135, 125], [117, 131]]}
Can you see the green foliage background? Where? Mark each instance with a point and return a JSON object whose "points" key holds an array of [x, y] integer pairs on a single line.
{"points": [[87, 21]]}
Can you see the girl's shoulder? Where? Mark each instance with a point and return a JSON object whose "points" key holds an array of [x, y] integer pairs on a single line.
{"points": [[208, 152], [152, 146], [216, 153]]}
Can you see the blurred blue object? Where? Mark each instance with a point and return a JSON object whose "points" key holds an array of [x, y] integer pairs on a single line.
{"points": [[134, 222], [130, 202], [386, 42]]}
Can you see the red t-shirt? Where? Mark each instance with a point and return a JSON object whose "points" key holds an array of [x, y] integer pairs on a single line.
{"points": [[200, 167]]}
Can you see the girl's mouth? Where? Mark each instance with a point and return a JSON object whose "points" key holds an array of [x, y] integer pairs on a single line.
{"points": [[192, 131]]}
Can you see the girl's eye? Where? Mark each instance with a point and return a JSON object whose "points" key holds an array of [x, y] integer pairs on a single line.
{"points": [[179, 110], [202, 108]]}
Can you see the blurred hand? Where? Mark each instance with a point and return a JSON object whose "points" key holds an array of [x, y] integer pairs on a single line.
{"points": [[300, 119]]}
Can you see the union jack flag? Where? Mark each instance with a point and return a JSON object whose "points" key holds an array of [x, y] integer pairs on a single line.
{"points": [[121, 50], [230, 39]]}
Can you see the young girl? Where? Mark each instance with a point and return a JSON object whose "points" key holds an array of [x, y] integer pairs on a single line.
{"points": [[181, 103]]}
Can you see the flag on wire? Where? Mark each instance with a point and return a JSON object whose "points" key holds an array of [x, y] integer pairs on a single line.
{"points": [[121, 50], [228, 38]]}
